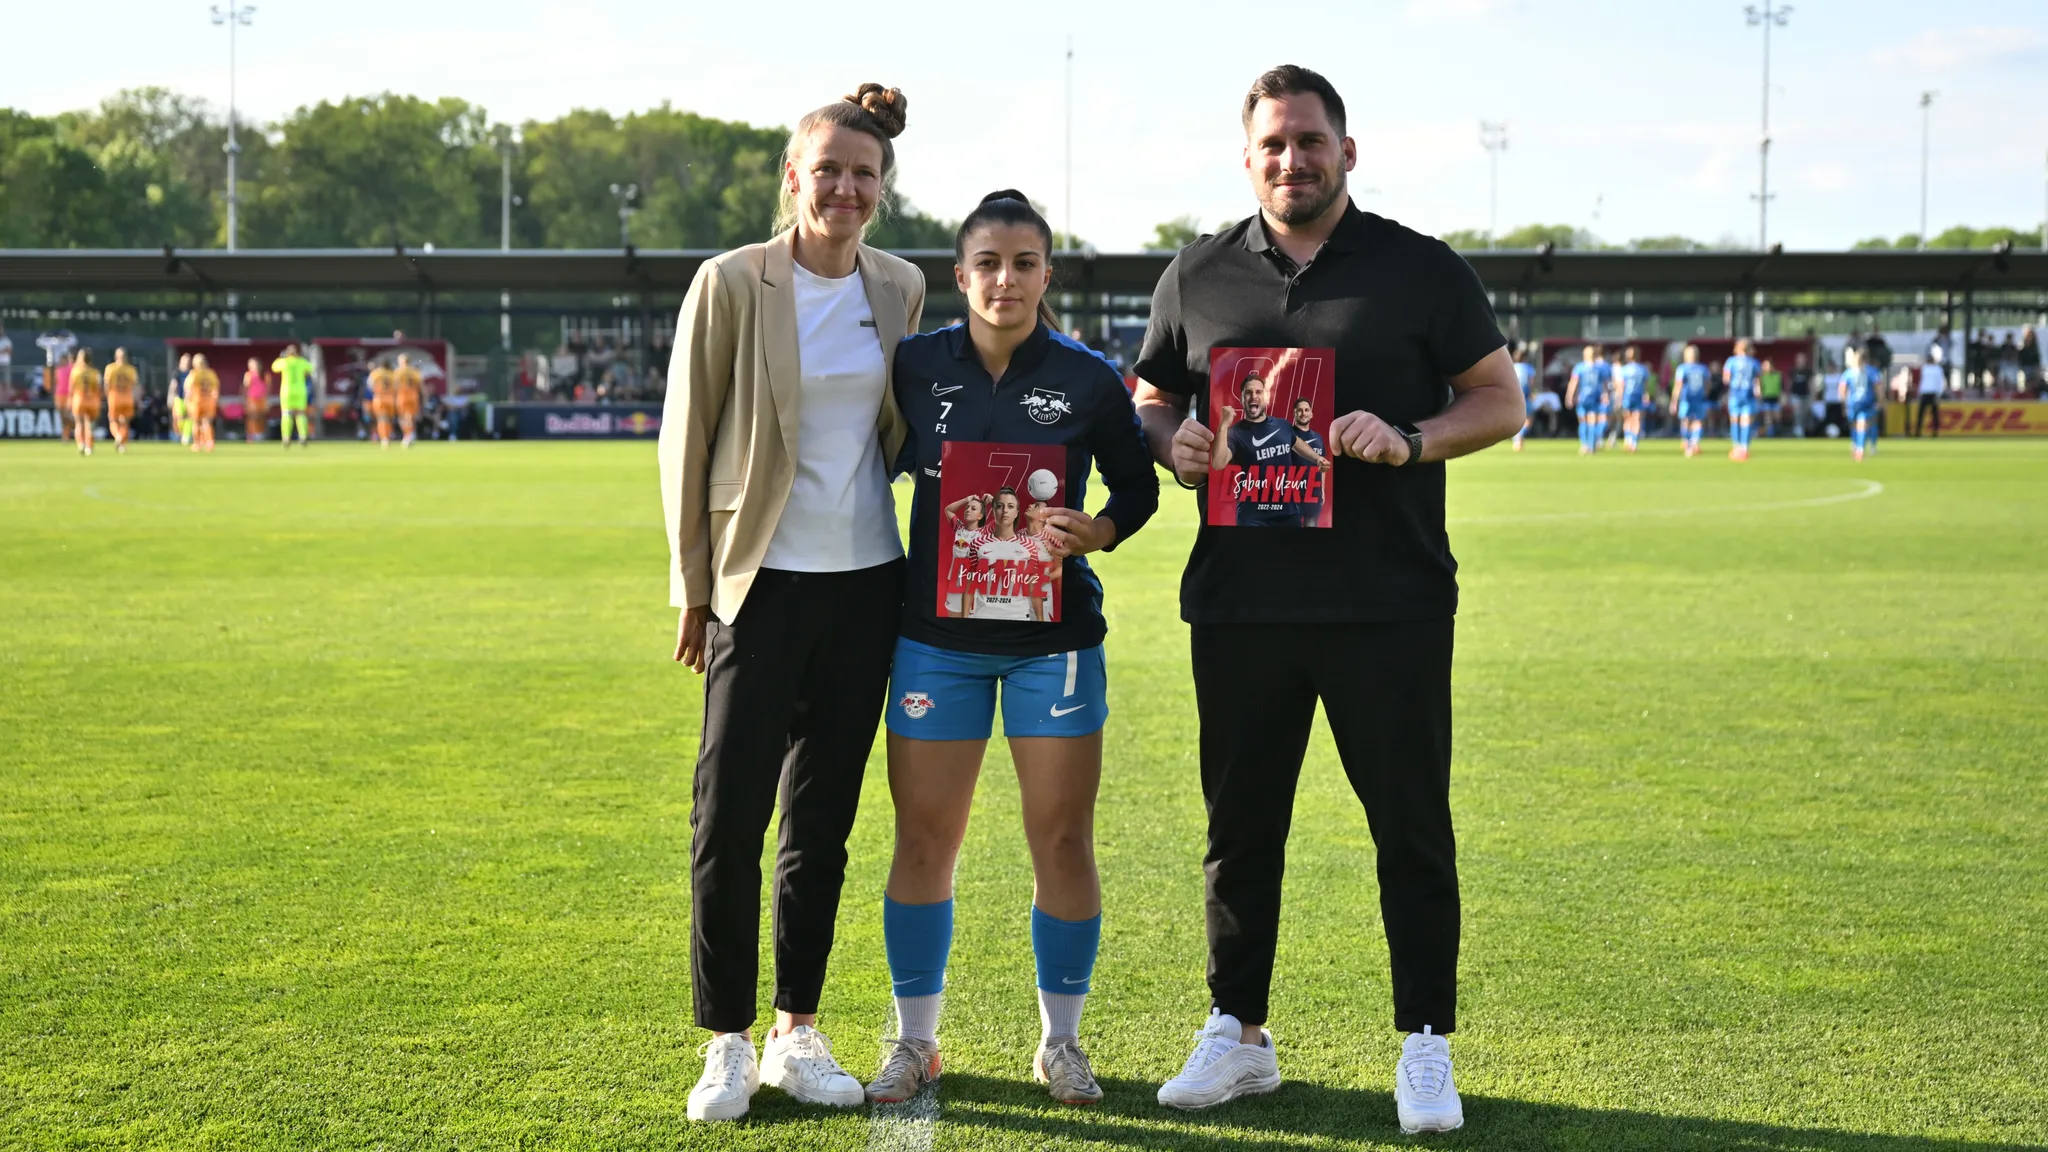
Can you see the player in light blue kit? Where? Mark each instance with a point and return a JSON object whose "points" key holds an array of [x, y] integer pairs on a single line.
{"points": [[1587, 396], [1689, 401], [1633, 380], [1860, 383], [1525, 375], [1741, 372]]}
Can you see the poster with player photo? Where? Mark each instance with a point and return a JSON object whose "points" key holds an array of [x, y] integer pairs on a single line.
{"points": [[994, 561], [1270, 411]]}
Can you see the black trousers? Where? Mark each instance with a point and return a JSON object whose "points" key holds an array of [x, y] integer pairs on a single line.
{"points": [[1386, 689], [792, 696], [1929, 402]]}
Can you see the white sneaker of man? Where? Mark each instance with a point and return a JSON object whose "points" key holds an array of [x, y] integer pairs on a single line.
{"points": [[800, 1063], [1425, 1100], [730, 1078], [1221, 1068]]}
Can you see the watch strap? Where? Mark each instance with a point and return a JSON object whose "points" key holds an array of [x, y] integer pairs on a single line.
{"points": [[1413, 435]]}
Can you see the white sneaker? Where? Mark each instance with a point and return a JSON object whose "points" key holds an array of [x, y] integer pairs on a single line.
{"points": [[729, 1081], [1221, 1069], [801, 1064], [1425, 1100]]}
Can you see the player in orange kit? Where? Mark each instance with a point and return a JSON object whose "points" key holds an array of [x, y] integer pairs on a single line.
{"points": [[408, 378], [202, 403], [85, 400], [120, 384], [255, 400], [382, 387]]}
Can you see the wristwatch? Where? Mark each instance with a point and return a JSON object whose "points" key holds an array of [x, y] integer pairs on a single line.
{"points": [[1413, 435]]}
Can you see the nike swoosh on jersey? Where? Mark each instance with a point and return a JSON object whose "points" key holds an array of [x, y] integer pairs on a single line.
{"points": [[1261, 440], [1059, 711], [938, 391]]}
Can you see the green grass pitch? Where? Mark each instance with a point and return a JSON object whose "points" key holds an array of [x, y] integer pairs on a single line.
{"points": [[344, 803]]}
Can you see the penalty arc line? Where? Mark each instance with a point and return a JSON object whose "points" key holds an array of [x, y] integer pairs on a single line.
{"points": [[1870, 488], [907, 1127]]}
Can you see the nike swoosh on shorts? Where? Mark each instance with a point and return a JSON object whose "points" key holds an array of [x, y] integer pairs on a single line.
{"points": [[1059, 711]]}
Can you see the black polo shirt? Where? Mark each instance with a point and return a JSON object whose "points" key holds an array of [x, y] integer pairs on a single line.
{"points": [[1404, 313]]}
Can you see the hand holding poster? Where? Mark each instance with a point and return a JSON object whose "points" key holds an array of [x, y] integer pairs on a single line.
{"points": [[1270, 411], [995, 563]]}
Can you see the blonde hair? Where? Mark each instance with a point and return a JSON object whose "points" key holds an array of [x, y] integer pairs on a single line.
{"points": [[870, 108]]}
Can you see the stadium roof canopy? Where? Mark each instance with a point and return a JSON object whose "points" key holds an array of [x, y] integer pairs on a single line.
{"points": [[668, 271]]}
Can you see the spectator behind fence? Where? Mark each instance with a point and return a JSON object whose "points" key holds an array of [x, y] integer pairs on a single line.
{"points": [[2006, 365], [2030, 362], [1933, 382]]}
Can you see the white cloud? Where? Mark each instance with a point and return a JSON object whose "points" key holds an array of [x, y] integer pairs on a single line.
{"points": [[1950, 48]]}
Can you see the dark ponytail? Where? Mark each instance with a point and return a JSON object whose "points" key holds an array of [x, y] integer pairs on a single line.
{"points": [[1008, 206]]}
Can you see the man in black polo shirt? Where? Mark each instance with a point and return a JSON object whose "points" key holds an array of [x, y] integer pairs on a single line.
{"points": [[1304, 419], [1358, 615]]}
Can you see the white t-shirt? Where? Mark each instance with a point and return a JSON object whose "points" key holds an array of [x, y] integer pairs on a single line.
{"points": [[1933, 380], [840, 516]]}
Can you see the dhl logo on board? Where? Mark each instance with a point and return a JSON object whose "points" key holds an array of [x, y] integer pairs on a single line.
{"points": [[1980, 418]]}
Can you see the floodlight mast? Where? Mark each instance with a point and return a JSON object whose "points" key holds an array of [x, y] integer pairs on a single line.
{"points": [[1768, 16], [1926, 116], [1493, 136], [627, 195], [508, 139], [236, 14]]}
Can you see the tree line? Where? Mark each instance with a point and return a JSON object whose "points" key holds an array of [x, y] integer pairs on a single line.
{"points": [[147, 167], [1174, 234]]}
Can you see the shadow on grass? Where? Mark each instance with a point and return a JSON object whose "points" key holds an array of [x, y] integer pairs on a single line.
{"points": [[983, 1111]]}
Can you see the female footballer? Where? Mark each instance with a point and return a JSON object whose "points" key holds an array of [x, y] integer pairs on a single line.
{"points": [[202, 403], [120, 385], [786, 564], [1860, 384], [1005, 376], [85, 399], [967, 516]]}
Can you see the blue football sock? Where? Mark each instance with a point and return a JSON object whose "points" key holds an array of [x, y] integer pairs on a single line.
{"points": [[917, 938], [1065, 951]]}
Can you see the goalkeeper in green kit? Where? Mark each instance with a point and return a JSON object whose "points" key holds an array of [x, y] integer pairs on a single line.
{"points": [[292, 370]]}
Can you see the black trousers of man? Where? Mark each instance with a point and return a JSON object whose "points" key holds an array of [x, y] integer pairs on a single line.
{"points": [[792, 695], [1386, 689], [1929, 403]]}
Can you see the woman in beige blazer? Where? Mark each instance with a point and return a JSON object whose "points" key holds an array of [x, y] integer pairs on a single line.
{"points": [[786, 562]]}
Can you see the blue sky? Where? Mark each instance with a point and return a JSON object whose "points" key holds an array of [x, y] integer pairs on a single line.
{"points": [[1648, 108]]}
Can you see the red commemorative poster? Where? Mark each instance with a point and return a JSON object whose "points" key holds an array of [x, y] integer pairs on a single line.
{"points": [[994, 562], [1270, 411]]}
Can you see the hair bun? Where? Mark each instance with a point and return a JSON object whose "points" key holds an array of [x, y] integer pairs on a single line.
{"points": [[1006, 194], [886, 105]]}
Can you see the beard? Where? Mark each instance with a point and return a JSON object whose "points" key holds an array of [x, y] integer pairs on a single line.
{"points": [[1291, 211]]}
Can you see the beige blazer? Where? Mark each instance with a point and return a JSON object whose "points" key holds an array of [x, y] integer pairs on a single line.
{"points": [[729, 423]]}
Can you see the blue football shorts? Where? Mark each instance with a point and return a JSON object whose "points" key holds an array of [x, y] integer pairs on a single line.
{"points": [[941, 694]]}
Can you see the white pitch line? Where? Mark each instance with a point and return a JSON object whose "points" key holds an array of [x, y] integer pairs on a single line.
{"points": [[1870, 488], [906, 1127], [92, 491]]}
